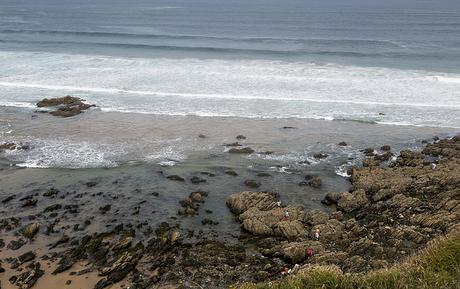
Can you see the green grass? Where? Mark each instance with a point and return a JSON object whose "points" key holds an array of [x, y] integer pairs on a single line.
{"points": [[436, 267]]}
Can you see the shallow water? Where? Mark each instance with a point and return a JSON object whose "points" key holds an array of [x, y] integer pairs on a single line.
{"points": [[167, 145]]}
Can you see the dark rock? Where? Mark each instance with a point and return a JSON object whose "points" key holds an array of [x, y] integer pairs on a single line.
{"points": [[29, 278], [66, 106], [26, 257], [319, 156], [16, 244], [52, 208], [13, 146], [246, 150], [315, 182], [263, 174], [331, 198], [29, 203], [191, 204], [385, 148], [342, 143], [8, 199], [201, 136], [230, 172], [51, 192], [105, 209], [289, 127], [91, 184], [176, 178], [240, 137], [369, 152], [197, 180], [384, 157], [251, 183], [64, 239], [207, 221], [234, 144]]}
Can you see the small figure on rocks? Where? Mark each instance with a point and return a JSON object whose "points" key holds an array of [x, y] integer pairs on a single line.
{"points": [[286, 216], [278, 203], [317, 234], [309, 253]]}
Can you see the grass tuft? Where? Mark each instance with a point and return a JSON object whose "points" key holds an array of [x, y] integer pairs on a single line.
{"points": [[436, 267]]}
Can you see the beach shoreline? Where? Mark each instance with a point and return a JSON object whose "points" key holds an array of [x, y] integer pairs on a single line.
{"points": [[134, 200]]}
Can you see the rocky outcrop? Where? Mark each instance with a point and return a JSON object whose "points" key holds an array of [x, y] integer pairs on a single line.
{"points": [[261, 214], [66, 106], [389, 213], [9, 146]]}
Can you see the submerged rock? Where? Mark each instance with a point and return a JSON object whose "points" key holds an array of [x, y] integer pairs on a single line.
{"points": [[175, 178], [246, 150], [320, 156], [252, 183]]}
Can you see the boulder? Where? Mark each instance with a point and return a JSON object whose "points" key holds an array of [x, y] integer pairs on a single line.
{"points": [[331, 198], [281, 222], [349, 202], [30, 230], [241, 202], [66, 106]]}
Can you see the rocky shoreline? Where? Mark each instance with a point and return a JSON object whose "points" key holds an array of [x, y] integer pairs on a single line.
{"points": [[389, 213]]}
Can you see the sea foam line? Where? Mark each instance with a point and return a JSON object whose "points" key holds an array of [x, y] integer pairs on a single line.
{"points": [[212, 96]]}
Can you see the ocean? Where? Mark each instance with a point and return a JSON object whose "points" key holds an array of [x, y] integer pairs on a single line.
{"points": [[394, 63]]}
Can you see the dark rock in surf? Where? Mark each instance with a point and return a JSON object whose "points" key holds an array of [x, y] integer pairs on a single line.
{"points": [[176, 178], [246, 150], [320, 156], [385, 148], [67, 106], [230, 172], [251, 183], [197, 180]]}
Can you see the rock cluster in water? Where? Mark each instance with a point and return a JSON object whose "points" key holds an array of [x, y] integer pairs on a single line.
{"points": [[66, 106]]}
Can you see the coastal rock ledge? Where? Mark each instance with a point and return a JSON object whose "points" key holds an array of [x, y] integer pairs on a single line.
{"points": [[388, 214]]}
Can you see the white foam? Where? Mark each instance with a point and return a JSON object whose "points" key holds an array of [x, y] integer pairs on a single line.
{"points": [[63, 153], [247, 88]]}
